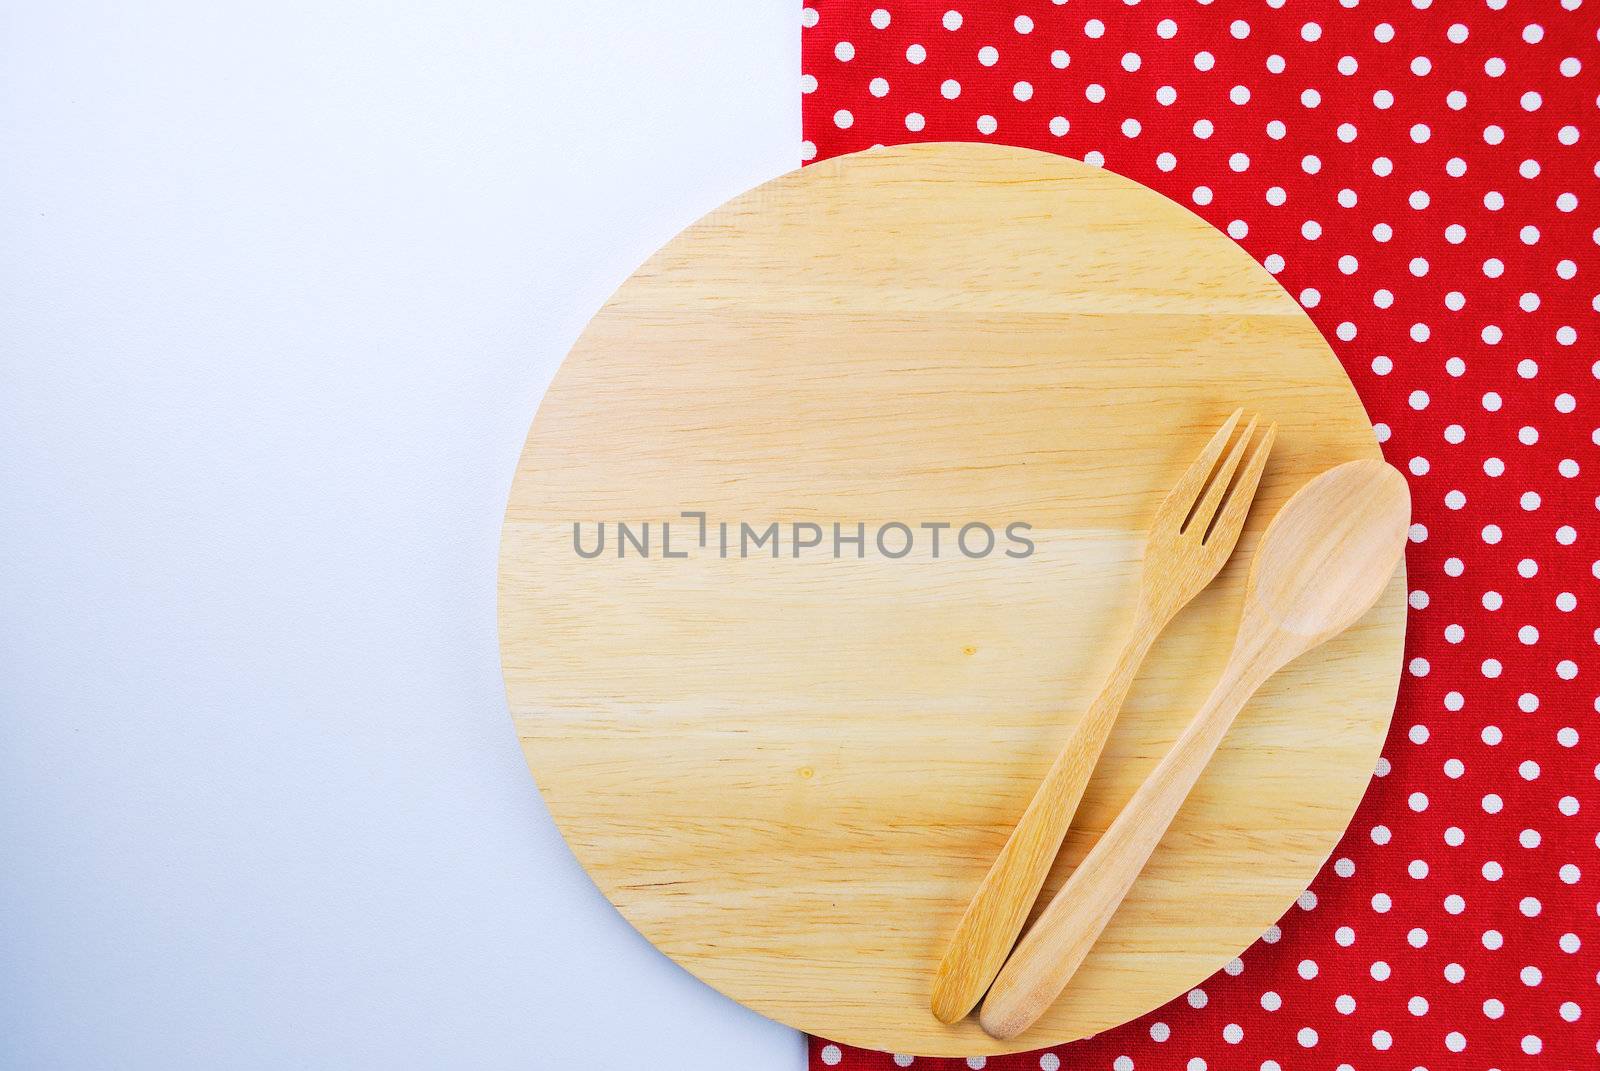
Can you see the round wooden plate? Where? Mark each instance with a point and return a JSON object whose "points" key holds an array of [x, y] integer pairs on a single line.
{"points": [[790, 772]]}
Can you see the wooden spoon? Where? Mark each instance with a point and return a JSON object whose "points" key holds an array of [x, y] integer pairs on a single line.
{"points": [[1322, 563], [1194, 531]]}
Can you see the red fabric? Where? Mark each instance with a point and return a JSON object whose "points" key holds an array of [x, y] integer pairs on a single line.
{"points": [[1472, 349]]}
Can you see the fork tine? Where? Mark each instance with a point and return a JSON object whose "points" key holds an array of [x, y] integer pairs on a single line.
{"points": [[1206, 509], [1187, 490], [1230, 519]]}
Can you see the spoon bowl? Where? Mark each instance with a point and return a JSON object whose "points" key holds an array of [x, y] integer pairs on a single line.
{"points": [[1350, 522]]}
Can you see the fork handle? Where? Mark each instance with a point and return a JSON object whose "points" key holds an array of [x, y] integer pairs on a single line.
{"points": [[1046, 959], [989, 928]]}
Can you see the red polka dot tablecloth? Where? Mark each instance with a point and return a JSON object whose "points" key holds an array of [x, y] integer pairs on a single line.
{"points": [[1423, 177]]}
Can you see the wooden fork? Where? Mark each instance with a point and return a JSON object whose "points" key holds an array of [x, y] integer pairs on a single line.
{"points": [[1195, 530]]}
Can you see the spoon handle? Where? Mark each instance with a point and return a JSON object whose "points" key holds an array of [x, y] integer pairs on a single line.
{"points": [[1051, 952], [990, 925]]}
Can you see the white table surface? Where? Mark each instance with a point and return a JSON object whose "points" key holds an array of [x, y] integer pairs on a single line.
{"points": [[281, 284]]}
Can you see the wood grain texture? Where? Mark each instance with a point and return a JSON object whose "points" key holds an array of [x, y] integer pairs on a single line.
{"points": [[791, 774], [1323, 561]]}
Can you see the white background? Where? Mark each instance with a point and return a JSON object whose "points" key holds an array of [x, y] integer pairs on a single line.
{"points": [[280, 286]]}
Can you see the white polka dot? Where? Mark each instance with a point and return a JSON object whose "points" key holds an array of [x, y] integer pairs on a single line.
{"points": [[831, 1055], [844, 51], [952, 20]]}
